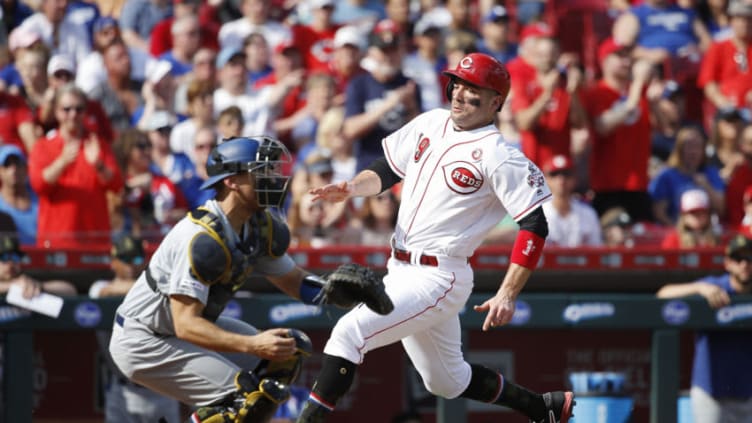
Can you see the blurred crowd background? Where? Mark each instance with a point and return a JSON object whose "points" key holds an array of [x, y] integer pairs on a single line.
{"points": [[638, 112]]}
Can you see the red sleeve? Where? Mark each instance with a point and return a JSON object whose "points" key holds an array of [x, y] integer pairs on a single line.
{"points": [[671, 240], [709, 71], [161, 38], [521, 99], [40, 157], [21, 112]]}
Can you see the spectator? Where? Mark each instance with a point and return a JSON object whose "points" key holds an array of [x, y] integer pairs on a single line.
{"points": [[349, 44], [91, 71], [162, 37], [315, 39], [19, 41], [186, 32], [71, 170], [720, 392], [255, 19], [125, 401], [460, 11], [724, 72], [60, 71], [151, 204], [204, 70], [522, 68], [741, 178], [382, 99], [60, 34], [616, 226], [138, 19], [257, 57], [398, 11], [687, 169], [16, 197], [359, 13], [425, 64], [230, 123], [17, 125], [119, 94], [694, 227], [548, 107], [723, 148], [668, 116], [32, 66], [329, 138], [495, 35], [158, 93], [14, 12], [378, 216], [714, 14], [746, 226], [302, 125], [200, 96], [205, 141], [571, 222], [621, 132], [11, 272]]}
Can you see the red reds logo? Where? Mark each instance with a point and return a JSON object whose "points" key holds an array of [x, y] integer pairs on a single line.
{"points": [[421, 148], [463, 177]]}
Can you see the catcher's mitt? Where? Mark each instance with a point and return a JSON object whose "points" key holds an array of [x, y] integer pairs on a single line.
{"points": [[351, 284]]}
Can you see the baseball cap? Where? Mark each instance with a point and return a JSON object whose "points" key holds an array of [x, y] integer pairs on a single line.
{"points": [[423, 26], [739, 247], [739, 8], [158, 120], [285, 47], [317, 4], [9, 247], [157, 69], [537, 29], [320, 165], [615, 216], [22, 37], [60, 62], [558, 163], [385, 34], [694, 200], [9, 151], [349, 36], [227, 54], [609, 46], [497, 13], [104, 22], [129, 249]]}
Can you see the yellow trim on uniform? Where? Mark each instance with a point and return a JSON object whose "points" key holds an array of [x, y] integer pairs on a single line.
{"points": [[206, 222]]}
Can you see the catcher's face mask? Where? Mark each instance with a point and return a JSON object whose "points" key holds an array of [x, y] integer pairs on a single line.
{"points": [[269, 172]]}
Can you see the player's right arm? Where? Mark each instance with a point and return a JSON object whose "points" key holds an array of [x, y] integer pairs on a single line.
{"points": [[191, 326]]}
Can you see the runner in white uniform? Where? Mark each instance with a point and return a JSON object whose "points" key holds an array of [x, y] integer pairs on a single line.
{"points": [[459, 180], [168, 333]]}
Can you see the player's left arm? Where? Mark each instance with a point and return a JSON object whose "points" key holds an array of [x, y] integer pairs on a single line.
{"points": [[526, 252]]}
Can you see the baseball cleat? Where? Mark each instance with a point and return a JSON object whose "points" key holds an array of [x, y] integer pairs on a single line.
{"points": [[559, 407]]}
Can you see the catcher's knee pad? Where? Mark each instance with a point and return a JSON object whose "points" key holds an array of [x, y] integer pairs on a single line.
{"points": [[254, 401], [287, 371]]}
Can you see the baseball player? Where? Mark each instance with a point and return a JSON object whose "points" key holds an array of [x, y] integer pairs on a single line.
{"points": [[168, 332], [459, 180]]}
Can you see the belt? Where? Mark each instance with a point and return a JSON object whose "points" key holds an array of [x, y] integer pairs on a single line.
{"points": [[424, 259], [120, 320]]}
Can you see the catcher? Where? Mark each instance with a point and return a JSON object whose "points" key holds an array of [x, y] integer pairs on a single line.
{"points": [[169, 334]]}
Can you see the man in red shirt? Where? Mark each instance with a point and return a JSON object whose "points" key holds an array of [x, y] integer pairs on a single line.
{"points": [[17, 122], [740, 181], [315, 40], [522, 68], [72, 170], [547, 107], [161, 35], [619, 115], [725, 69]]}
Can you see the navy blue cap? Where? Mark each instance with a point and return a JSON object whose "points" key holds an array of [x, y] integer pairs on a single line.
{"points": [[104, 22], [9, 150]]}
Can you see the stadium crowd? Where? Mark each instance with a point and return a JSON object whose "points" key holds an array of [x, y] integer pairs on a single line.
{"points": [[638, 112]]}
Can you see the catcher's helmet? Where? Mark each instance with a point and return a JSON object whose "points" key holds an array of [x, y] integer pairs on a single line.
{"points": [[482, 71], [263, 156]]}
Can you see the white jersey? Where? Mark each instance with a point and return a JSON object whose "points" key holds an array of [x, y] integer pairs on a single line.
{"points": [[457, 184], [170, 267], [580, 227]]}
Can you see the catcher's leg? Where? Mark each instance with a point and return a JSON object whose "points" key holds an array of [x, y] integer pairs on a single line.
{"points": [[254, 402]]}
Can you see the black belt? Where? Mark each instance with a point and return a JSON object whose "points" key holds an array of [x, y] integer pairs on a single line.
{"points": [[424, 259]]}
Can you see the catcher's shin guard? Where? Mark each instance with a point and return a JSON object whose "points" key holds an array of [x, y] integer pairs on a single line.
{"points": [[253, 402]]}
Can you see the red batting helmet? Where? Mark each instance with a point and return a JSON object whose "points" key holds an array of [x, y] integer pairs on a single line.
{"points": [[480, 70]]}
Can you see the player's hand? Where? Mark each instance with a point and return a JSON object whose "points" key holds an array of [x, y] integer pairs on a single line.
{"points": [[500, 310], [332, 192], [274, 344], [715, 295]]}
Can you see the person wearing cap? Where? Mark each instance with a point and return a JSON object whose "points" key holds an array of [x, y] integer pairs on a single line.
{"points": [[495, 35], [72, 171], [687, 169], [19, 41], [11, 272], [620, 145], [60, 33], [548, 108], [16, 197], [522, 68], [314, 39], [359, 13], [60, 71], [382, 99], [255, 19], [694, 227], [200, 96], [125, 401], [161, 40], [571, 222], [257, 56], [740, 179], [616, 227], [349, 45], [460, 179], [721, 390], [423, 64]]}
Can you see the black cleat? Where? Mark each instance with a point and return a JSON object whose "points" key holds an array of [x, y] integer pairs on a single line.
{"points": [[559, 406]]}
